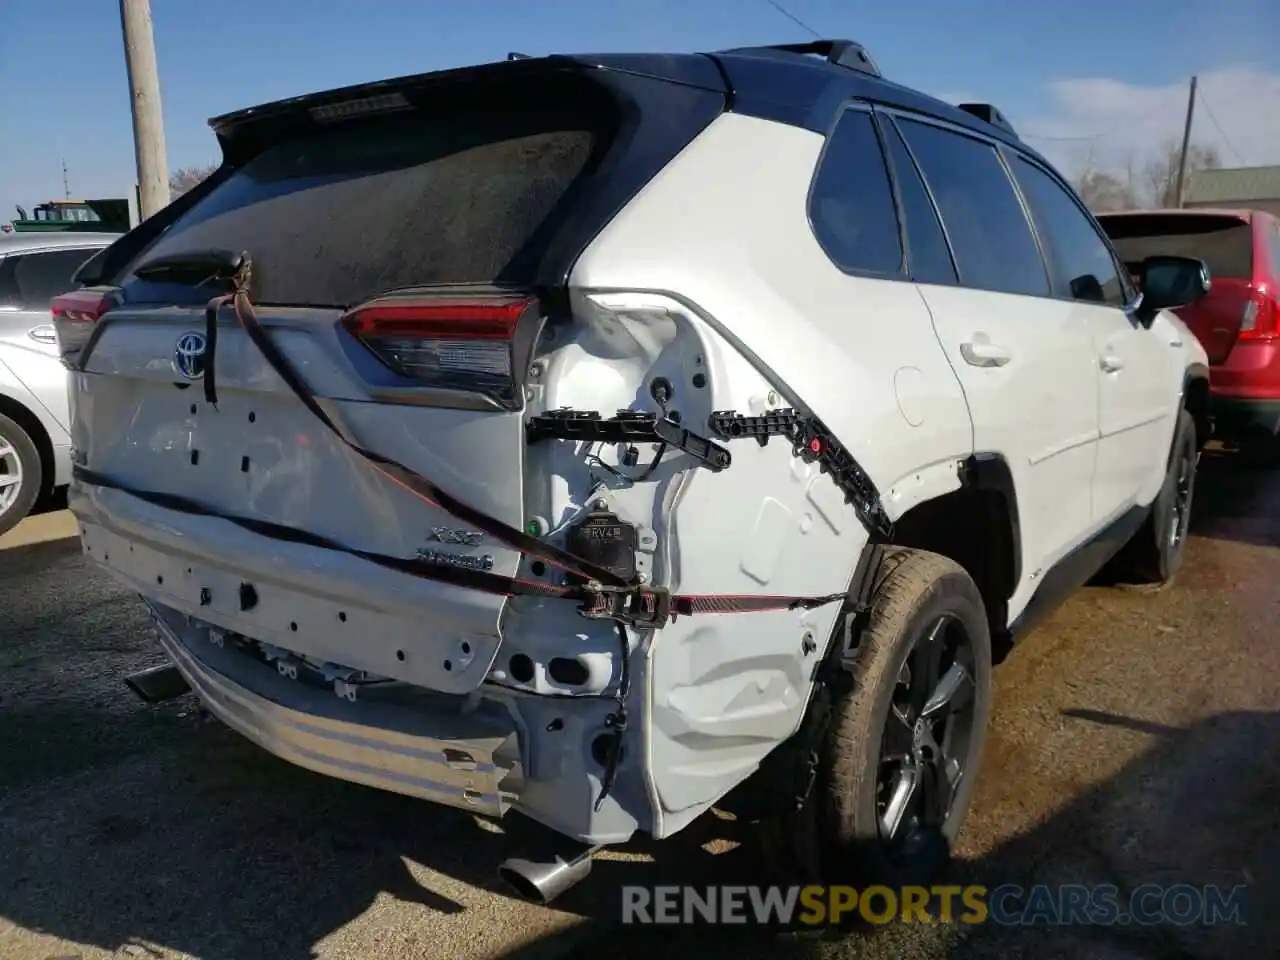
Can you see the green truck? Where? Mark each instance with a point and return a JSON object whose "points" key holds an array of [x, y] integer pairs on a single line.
{"points": [[96, 216]]}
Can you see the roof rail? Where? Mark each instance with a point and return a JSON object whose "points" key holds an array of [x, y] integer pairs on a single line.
{"points": [[841, 53], [985, 111]]}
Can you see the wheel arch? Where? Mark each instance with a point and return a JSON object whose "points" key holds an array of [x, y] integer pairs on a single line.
{"points": [[29, 422], [978, 527], [1195, 398]]}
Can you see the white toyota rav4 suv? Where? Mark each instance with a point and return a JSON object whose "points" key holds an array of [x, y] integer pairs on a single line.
{"points": [[605, 438]]}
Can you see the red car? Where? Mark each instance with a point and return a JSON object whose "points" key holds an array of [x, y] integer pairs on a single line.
{"points": [[1238, 322]]}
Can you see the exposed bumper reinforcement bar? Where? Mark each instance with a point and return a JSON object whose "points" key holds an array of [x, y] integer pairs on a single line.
{"points": [[470, 762]]}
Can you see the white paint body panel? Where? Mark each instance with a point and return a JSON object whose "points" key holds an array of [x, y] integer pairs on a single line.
{"points": [[725, 226], [1039, 411]]}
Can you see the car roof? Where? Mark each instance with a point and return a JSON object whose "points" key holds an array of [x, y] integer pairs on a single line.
{"points": [[73, 240], [816, 88]]}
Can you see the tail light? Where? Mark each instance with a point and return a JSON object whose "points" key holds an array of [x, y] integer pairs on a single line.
{"points": [[76, 313], [459, 347], [1260, 317]]}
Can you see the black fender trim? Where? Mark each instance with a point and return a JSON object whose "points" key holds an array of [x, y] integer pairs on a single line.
{"points": [[1199, 409], [990, 472]]}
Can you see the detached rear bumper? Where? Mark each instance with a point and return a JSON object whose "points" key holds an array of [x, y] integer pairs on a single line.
{"points": [[1238, 416], [466, 761], [485, 748]]}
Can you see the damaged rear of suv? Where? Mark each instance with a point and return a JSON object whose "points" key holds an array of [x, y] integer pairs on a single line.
{"points": [[516, 437]]}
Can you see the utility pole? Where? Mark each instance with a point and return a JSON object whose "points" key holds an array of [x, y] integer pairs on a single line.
{"points": [[66, 190], [148, 121], [1186, 144]]}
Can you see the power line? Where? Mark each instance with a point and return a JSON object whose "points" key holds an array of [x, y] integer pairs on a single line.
{"points": [[1127, 128], [792, 17], [1217, 126]]}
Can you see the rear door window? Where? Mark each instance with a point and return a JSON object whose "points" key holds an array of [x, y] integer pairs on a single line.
{"points": [[851, 204], [30, 280], [1083, 265], [930, 259], [994, 246], [1225, 244]]}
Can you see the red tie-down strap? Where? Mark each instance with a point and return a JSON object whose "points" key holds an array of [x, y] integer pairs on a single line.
{"points": [[628, 604], [602, 594]]}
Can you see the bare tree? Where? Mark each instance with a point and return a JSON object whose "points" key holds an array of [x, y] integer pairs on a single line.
{"points": [[180, 181], [1105, 190], [1102, 191], [1161, 174]]}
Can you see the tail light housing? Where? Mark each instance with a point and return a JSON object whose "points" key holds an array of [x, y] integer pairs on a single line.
{"points": [[1260, 318], [76, 314], [454, 349]]}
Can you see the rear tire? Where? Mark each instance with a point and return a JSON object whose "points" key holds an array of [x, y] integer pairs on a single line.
{"points": [[927, 636], [18, 458], [1154, 555]]}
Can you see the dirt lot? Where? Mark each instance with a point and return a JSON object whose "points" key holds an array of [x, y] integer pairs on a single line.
{"points": [[1136, 739]]}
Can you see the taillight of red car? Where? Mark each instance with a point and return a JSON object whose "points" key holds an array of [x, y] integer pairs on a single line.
{"points": [[461, 346], [1260, 316]]}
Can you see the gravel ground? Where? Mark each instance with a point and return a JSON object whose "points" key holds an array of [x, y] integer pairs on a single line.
{"points": [[1136, 739]]}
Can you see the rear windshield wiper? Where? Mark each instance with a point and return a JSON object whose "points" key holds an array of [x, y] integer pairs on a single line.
{"points": [[195, 267]]}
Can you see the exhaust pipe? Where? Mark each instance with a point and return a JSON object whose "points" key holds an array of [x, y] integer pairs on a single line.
{"points": [[158, 684], [542, 881]]}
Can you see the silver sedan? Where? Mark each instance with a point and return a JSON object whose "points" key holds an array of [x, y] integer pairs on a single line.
{"points": [[35, 448]]}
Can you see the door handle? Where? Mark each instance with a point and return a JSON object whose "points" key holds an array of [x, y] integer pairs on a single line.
{"points": [[983, 353], [1110, 363], [43, 334]]}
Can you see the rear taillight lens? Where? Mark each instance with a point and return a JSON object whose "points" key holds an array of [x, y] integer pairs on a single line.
{"points": [[76, 313], [1259, 321], [459, 346]]}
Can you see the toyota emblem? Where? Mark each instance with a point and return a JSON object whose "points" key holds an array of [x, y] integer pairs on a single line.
{"points": [[188, 355]]}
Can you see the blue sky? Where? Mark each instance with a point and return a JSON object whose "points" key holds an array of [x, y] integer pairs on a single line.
{"points": [[1102, 76]]}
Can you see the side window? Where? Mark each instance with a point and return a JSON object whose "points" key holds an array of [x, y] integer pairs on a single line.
{"points": [[851, 203], [9, 296], [930, 260], [993, 243], [1082, 261], [40, 277]]}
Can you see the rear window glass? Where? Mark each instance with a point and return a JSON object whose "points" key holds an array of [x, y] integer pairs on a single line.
{"points": [[1225, 244], [358, 209]]}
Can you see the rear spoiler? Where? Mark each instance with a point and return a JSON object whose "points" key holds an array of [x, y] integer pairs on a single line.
{"points": [[242, 132]]}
